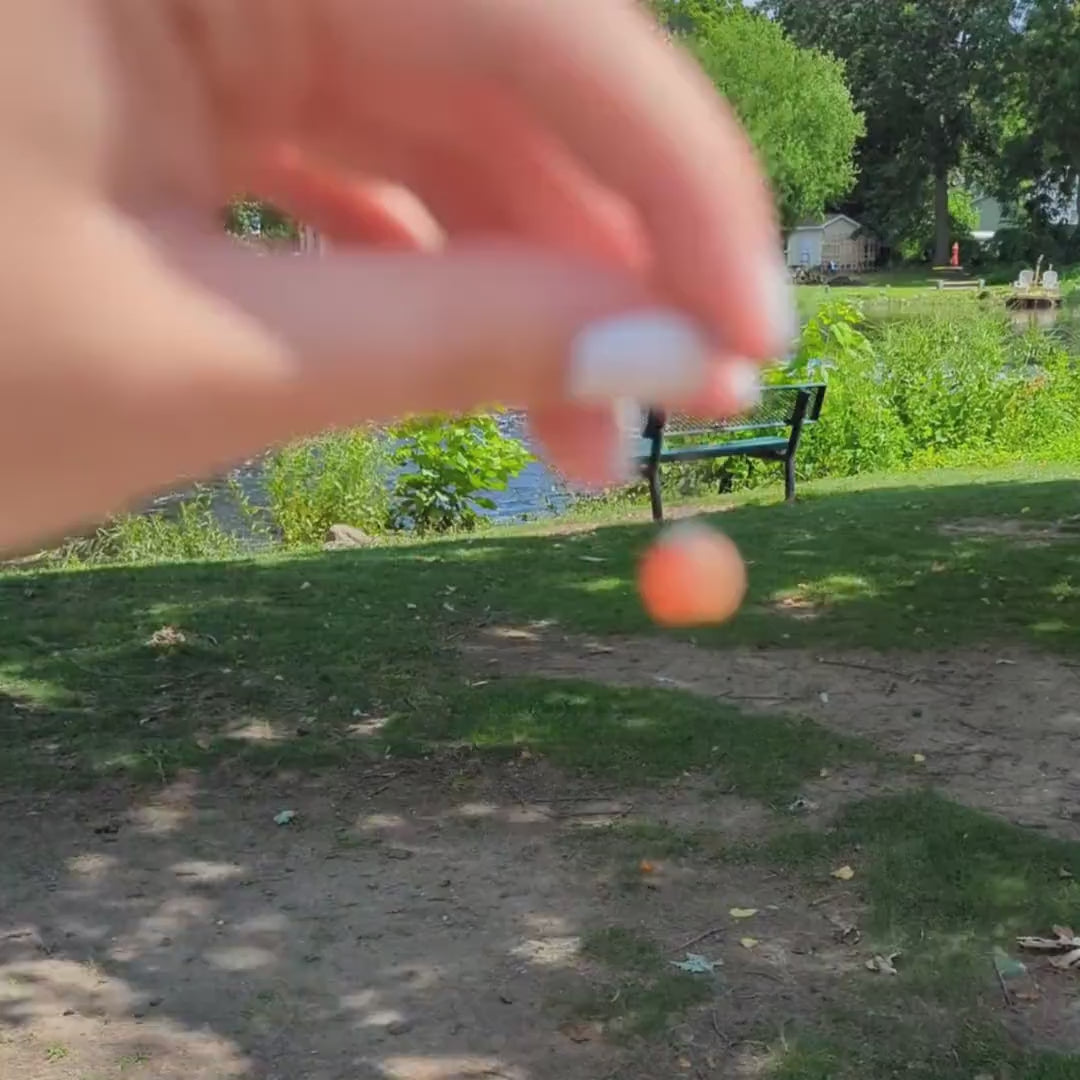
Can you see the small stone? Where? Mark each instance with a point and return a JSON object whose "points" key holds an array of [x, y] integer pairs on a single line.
{"points": [[399, 1027], [156, 1002]]}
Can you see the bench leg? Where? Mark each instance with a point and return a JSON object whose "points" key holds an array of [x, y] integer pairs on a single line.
{"points": [[654, 494], [789, 479]]}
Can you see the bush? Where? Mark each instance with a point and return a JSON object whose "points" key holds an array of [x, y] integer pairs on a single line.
{"points": [[955, 385], [340, 478], [447, 465], [187, 531], [937, 387]]}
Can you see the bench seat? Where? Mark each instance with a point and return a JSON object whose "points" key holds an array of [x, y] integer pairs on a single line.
{"points": [[771, 431]]}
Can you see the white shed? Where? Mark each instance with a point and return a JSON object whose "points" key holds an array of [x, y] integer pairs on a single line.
{"points": [[831, 242]]}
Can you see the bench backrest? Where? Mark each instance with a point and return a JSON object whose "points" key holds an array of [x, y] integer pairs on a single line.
{"points": [[779, 408]]}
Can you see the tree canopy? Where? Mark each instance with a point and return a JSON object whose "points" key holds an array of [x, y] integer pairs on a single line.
{"points": [[931, 77], [794, 102]]}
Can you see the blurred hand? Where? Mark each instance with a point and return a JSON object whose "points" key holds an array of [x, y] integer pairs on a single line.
{"points": [[539, 204]]}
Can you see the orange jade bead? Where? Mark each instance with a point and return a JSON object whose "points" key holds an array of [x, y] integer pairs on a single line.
{"points": [[690, 576]]}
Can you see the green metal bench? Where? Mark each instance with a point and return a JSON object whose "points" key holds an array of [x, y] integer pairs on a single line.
{"points": [[674, 438]]}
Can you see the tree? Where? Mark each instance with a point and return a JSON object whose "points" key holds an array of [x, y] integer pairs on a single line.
{"points": [[793, 102], [1041, 163], [931, 79]]}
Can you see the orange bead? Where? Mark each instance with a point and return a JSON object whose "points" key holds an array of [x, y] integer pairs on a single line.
{"points": [[692, 575]]}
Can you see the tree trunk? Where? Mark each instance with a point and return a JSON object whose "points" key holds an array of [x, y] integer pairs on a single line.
{"points": [[941, 217]]}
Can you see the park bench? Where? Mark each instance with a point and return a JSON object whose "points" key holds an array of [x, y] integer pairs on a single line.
{"points": [[771, 432]]}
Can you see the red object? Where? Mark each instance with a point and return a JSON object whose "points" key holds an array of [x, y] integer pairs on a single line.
{"points": [[955, 259]]}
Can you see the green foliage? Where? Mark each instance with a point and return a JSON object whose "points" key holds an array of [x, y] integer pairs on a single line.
{"points": [[916, 244], [188, 531], [954, 386], [925, 389], [930, 77], [793, 102], [448, 464], [340, 478], [245, 216]]}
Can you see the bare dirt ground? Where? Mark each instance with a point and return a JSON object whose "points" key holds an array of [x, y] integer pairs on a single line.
{"points": [[419, 923], [424, 921], [999, 728]]}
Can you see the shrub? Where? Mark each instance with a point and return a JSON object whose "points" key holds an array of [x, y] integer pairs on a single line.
{"points": [[447, 465], [187, 531], [339, 478], [952, 384]]}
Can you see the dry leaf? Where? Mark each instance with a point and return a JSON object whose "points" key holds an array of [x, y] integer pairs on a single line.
{"points": [[1064, 942], [843, 873], [646, 867], [884, 965], [581, 1032], [749, 942], [743, 912]]}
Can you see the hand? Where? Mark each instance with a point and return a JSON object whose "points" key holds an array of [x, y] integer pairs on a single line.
{"points": [[539, 204]]}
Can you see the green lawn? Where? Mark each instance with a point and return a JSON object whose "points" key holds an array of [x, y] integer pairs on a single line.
{"points": [[349, 657]]}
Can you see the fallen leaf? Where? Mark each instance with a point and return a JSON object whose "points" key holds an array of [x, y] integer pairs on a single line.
{"points": [[581, 1032], [884, 965], [646, 867], [743, 912], [285, 817], [1064, 942], [1067, 960], [165, 637], [918, 758], [843, 873], [749, 942], [696, 964], [823, 773]]}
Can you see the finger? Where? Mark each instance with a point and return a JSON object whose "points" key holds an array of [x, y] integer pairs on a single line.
{"points": [[630, 108], [373, 213]]}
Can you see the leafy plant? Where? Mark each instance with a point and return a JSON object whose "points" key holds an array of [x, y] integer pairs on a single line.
{"points": [[339, 478], [447, 467], [190, 530]]}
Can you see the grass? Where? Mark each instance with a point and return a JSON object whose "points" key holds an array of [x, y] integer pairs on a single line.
{"points": [[322, 659], [336, 659], [640, 993]]}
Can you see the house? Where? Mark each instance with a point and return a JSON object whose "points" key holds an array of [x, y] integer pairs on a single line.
{"points": [[837, 242], [992, 216]]}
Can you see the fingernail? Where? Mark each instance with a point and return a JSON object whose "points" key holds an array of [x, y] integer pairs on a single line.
{"points": [[629, 423], [648, 356], [778, 296], [743, 380]]}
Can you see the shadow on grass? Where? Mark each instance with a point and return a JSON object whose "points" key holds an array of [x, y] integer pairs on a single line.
{"points": [[334, 657]]}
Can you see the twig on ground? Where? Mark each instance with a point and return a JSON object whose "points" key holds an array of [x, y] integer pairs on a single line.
{"points": [[698, 937], [1004, 989]]}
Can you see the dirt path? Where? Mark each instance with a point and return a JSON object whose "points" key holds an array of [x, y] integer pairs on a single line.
{"points": [[1000, 729], [403, 927]]}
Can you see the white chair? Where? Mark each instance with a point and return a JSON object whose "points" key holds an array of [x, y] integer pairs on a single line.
{"points": [[1025, 280], [1050, 279]]}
